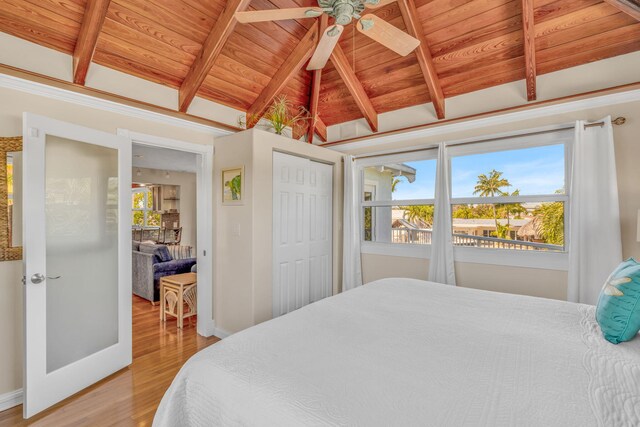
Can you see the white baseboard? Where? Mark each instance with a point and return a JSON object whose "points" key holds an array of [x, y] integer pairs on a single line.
{"points": [[11, 399], [209, 329], [221, 333]]}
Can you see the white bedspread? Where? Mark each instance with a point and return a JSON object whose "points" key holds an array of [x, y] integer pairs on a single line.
{"points": [[402, 352]]}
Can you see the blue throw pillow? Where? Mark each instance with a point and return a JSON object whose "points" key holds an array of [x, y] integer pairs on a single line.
{"points": [[618, 311], [160, 252], [163, 253]]}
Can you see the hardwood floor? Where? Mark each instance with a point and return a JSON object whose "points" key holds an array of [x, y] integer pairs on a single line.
{"points": [[129, 397]]}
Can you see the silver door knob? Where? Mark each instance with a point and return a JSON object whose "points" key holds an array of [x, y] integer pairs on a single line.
{"points": [[39, 278]]}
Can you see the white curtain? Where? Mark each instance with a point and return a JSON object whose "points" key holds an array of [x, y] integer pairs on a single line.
{"points": [[595, 247], [441, 266], [351, 264]]}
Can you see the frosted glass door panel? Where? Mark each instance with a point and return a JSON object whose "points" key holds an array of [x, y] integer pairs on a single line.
{"points": [[81, 208]]}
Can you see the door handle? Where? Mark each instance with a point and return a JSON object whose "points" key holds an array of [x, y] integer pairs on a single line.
{"points": [[39, 278]]}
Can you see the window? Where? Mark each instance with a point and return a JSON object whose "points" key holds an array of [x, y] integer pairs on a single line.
{"points": [[509, 199], [142, 208], [397, 200], [501, 197]]}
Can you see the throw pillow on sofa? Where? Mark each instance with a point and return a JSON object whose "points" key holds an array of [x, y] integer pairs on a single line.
{"points": [[618, 311], [160, 252]]}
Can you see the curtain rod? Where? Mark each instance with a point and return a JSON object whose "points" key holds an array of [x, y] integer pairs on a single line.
{"points": [[617, 121]]}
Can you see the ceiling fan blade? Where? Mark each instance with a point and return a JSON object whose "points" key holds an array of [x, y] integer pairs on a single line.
{"points": [[386, 34], [277, 14], [325, 47], [379, 4]]}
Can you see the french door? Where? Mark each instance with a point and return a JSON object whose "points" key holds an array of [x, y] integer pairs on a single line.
{"points": [[77, 258]]}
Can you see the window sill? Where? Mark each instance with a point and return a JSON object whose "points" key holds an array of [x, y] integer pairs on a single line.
{"points": [[512, 258]]}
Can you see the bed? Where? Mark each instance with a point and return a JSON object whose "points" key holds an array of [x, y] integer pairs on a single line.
{"points": [[408, 352]]}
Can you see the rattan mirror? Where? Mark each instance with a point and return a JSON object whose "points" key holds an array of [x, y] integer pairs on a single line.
{"points": [[10, 199]]}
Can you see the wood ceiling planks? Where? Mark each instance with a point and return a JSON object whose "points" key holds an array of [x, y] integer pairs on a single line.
{"points": [[474, 45]]}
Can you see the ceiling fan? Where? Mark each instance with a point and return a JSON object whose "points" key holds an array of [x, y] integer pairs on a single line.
{"points": [[343, 12]]}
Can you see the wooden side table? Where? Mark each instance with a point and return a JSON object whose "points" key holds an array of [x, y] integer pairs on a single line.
{"points": [[175, 292]]}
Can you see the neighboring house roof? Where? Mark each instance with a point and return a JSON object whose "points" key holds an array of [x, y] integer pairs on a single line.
{"points": [[530, 229], [398, 215]]}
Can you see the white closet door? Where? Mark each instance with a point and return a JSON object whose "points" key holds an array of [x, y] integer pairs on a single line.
{"points": [[290, 233], [302, 232], [320, 233]]}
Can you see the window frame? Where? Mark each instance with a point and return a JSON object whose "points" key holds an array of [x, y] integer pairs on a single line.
{"points": [[145, 210], [427, 154], [551, 260]]}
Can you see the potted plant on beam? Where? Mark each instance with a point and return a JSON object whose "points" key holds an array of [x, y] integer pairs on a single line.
{"points": [[281, 120]]}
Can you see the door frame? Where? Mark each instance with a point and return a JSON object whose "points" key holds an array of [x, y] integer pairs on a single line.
{"points": [[67, 380], [204, 219]]}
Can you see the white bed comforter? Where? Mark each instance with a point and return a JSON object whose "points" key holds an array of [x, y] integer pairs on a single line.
{"points": [[403, 352]]}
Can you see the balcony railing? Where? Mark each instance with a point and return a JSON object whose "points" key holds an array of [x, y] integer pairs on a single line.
{"points": [[423, 237], [416, 236]]}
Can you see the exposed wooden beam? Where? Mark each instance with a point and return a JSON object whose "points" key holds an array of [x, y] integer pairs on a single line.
{"points": [[211, 48], [341, 63], [291, 66], [94, 13], [423, 53], [316, 78], [297, 132], [321, 129], [313, 103], [629, 7], [529, 48]]}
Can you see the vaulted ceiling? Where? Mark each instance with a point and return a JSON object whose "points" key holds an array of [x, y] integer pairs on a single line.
{"points": [[196, 46]]}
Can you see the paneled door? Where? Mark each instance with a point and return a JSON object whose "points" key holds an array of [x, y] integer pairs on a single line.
{"points": [[77, 258], [302, 232], [320, 231]]}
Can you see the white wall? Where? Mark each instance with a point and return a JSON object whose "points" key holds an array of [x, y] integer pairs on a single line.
{"points": [[243, 239], [187, 203], [515, 280], [13, 104]]}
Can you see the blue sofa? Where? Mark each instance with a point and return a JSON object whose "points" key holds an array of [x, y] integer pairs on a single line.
{"points": [[152, 262]]}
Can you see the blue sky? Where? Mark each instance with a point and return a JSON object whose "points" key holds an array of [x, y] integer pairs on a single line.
{"points": [[538, 170]]}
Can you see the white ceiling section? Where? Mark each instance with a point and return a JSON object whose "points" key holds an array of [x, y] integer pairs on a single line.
{"points": [[25, 55], [606, 73], [163, 159]]}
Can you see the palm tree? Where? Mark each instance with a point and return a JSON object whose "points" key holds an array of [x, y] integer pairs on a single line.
{"points": [[491, 186], [511, 209], [550, 224], [419, 213], [464, 211]]}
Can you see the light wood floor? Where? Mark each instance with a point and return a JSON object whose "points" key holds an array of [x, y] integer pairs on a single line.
{"points": [[129, 397]]}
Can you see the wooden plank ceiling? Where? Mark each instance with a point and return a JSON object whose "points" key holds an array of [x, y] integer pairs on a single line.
{"points": [[473, 45]]}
